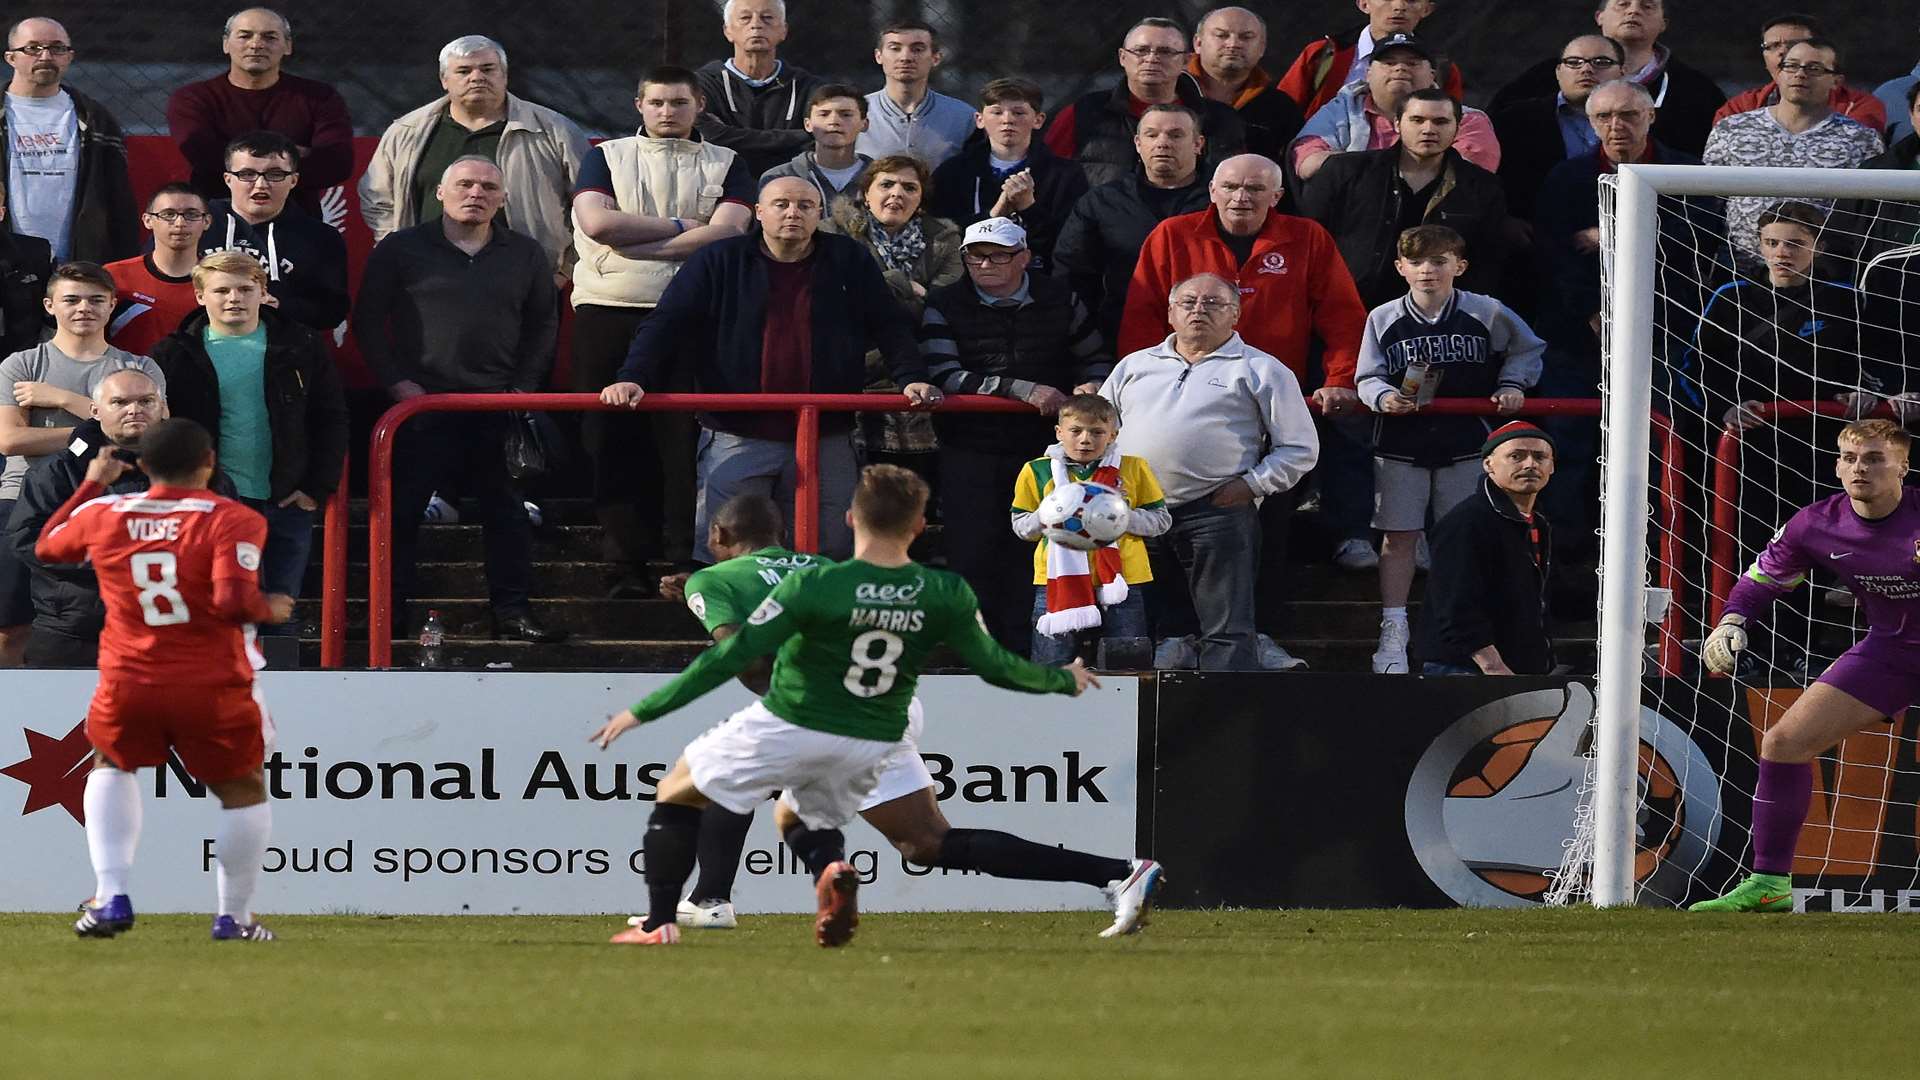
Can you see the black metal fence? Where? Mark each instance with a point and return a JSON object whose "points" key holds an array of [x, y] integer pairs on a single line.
{"points": [[581, 56]]}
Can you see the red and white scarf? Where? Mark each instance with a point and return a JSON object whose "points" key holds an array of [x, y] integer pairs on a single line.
{"points": [[1074, 577]]}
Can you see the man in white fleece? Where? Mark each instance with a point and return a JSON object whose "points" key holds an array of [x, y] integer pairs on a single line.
{"points": [[1223, 425]]}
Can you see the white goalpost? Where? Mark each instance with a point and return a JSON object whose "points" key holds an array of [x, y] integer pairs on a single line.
{"points": [[1606, 861]]}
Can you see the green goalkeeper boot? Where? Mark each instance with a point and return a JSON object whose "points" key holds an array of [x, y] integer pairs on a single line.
{"points": [[1760, 893]]}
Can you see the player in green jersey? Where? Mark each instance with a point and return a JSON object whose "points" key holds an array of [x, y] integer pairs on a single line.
{"points": [[852, 638], [745, 535]]}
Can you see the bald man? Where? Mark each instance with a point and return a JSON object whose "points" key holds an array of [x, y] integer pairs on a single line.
{"points": [[67, 615], [66, 152]]}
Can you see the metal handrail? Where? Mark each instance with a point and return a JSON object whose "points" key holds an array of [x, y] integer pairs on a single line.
{"points": [[807, 409]]}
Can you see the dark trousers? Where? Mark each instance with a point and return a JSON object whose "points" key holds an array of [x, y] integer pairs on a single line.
{"points": [[1276, 528], [1344, 476], [52, 649], [1205, 569], [976, 492], [442, 450], [1572, 500], [283, 565], [641, 463]]}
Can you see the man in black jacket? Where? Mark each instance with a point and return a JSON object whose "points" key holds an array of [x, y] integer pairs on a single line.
{"points": [[1007, 332], [1540, 132], [305, 258], [784, 310], [1004, 171], [264, 387], [71, 146], [1367, 199], [756, 102], [25, 263], [1486, 610], [459, 305], [1097, 129], [1101, 240], [67, 612]]}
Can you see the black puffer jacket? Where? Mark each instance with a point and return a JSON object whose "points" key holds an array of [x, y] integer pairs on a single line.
{"points": [[1488, 585], [1101, 240], [305, 408], [1357, 197], [66, 599]]}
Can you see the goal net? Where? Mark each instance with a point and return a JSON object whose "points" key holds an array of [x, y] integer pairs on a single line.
{"points": [[1747, 315]]}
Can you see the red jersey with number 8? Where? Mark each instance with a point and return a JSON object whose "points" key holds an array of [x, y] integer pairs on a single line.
{"points": [[178, 570]]}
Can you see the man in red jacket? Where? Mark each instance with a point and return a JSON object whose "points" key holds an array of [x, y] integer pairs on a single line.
{"points": [[1293, 284], [1326, 65]]}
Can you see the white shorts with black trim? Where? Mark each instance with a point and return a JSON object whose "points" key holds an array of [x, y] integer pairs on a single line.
{"points": [[824, 778]]}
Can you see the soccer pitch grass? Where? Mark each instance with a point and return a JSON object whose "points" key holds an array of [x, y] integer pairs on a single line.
{"points": [[1199, 994]]}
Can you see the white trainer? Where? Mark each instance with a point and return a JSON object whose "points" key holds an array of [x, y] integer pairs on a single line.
{"points": [[440, 512], [1274, 658], [706, 915], [1391, 658], [1356, 554], [1132, 897]]}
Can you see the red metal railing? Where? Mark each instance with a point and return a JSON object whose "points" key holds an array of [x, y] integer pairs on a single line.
{"points": [[807, 409], [1721, 548], [333, 575]]}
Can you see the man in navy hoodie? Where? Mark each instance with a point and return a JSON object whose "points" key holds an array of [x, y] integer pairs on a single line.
{"points": [[783, 310], [305, 258]]}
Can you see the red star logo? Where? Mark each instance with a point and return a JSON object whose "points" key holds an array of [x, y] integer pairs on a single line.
{"points": [[55, 771]]}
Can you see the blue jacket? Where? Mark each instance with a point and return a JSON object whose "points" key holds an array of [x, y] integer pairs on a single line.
{"points": [[714, 314]]}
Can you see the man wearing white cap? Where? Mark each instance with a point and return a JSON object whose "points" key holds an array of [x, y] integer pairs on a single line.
{"points": [[1002, 331]]}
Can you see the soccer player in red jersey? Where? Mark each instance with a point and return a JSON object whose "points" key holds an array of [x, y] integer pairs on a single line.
{"points": [[178, 568]]}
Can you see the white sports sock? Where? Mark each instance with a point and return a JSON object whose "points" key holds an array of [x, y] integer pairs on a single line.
{"points": [[240, 848], [112, 806], [1393, 614]]}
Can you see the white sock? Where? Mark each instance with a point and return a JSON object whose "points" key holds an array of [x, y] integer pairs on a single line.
{"points": [[1393, 614], [240, 848], [112, 806]]}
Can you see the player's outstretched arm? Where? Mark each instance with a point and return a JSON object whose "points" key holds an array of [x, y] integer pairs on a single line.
{"points": [[770, 624]]}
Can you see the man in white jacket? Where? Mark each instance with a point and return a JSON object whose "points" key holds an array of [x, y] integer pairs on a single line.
{"points": [[538, 150], [1223, 425]]}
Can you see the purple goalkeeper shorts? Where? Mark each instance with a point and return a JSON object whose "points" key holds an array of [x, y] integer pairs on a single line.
{"points": [[1880, 671]]}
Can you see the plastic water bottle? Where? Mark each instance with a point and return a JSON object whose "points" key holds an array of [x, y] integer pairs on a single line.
{"points": [[432, 636]]}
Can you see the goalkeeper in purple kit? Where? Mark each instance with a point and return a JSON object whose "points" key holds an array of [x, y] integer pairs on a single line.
{"points": [[1869, 536]]}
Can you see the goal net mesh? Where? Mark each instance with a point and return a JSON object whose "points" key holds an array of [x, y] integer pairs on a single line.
{"points": [[1765, 343]]}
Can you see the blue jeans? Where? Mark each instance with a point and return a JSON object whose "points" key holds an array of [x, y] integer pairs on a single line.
{"points": [[283, 565], [1126, 619], [1215, 552], [1435, 667]]}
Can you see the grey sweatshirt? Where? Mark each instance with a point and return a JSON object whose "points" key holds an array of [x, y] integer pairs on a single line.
{"points": [[1235, 412]]}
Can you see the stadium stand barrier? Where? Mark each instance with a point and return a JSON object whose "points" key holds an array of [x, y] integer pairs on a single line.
{"points": [[333, 571], [808, 407]]}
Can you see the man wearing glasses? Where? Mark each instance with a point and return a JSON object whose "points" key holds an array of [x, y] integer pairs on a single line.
{"points": [[66, 157], [305, 258], [1801, 130], [154, 292], [255, 94], [1777, 35], [1013, 334], [1538, 133], [1097, 130]]}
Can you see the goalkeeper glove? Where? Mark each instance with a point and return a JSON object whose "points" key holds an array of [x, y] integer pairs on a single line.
{"points": [[1725, 644]]}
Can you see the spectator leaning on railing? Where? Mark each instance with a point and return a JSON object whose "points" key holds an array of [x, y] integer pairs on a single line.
{"points": [[786, 310]]}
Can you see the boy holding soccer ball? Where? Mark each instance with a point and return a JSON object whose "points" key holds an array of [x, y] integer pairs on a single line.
{"points": [[1437, 341], [1097, 582]]}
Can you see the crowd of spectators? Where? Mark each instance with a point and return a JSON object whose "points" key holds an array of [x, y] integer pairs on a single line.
{"points": [[1211, 243]]}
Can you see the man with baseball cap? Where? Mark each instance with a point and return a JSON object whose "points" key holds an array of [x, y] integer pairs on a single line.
{"points": [[1024, 336], [1361, 116], [1486, 610]]}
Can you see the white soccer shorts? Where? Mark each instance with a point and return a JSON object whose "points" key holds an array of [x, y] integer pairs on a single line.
{"points": [[904, 771], [825, 778]]}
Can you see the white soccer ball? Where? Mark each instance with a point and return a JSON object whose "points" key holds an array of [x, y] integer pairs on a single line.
{"points": [[1084, 516]]}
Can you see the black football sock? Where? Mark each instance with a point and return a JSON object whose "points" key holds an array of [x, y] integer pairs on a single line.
{"points": [[672, 833], [818, 848], [723, 835], [1009, 856]]}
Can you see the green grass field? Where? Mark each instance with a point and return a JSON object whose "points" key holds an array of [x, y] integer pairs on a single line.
{"points": [[1199, 994]]}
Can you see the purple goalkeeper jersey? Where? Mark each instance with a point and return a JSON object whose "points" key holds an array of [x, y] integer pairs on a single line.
{"points": [[1878, 561]]}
